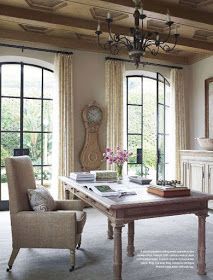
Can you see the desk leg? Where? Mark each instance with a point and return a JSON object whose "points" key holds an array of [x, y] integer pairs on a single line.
{"points": [[201, 266], [117, 267], [130, 246], [110, 230]]}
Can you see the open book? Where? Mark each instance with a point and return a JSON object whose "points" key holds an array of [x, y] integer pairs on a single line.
{"points": [[106, 190]]}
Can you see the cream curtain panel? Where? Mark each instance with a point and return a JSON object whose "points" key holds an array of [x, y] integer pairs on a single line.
{"points": [[64, 144], [114, 71], [178, 104]]}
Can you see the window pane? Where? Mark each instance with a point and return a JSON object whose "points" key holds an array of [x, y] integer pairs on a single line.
{"points": [[134, 143], [37, 173], [11, 79], [168, 120], [149, 89], [47, 148], [161, 119], [47, 115], [149, 123], [32, 115], [161, 144], [161, 93], [10, 119], [32, 141], [48, 84], [161, 171], [134, 119], [134, 169], [47, 176], [9, 142], [4, 185], [32, 81], [134, 90], [161, 78]]}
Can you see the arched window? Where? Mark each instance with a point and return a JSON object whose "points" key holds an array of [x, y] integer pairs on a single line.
{"points": [[26, 92], [147, 128]]}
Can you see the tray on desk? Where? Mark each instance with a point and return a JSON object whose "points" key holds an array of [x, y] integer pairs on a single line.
{"points": [[168, 191], [140, 180]]}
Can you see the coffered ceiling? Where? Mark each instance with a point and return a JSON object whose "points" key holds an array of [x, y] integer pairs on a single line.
{"points": [[72, 24]]}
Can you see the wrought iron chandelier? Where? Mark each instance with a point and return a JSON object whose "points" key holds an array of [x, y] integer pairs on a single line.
{"points": [[140, 41]]}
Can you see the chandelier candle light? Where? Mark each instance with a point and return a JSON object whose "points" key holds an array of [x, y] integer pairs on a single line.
{"points": [[139, 41], [119, 157]]}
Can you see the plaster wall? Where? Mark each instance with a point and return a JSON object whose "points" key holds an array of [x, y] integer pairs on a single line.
{"points": [[198, 73], [88, 84]]}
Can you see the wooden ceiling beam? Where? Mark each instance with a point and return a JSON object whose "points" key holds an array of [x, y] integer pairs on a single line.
{"points": [[73, 43], [178, 11], [21, 15]]}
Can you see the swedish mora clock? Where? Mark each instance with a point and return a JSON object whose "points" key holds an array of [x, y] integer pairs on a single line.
{"points": [[91, 154]]}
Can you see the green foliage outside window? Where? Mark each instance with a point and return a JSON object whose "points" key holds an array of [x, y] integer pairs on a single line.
{"points": [[32, 112]]}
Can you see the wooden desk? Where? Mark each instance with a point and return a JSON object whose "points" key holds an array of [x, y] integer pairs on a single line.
{"points": [[126, 209]]}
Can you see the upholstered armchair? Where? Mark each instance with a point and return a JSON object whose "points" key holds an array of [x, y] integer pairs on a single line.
{"points": [[60, 229]]}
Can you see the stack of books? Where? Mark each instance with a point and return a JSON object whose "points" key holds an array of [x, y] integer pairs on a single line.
{"points": [[101, 175], [168, 191], [82, 176]]}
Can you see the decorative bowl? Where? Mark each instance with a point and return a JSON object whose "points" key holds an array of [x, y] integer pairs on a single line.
{"points": [[205, 143]]}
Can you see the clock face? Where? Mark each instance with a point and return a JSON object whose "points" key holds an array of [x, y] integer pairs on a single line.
{"points": [[94, 114]]}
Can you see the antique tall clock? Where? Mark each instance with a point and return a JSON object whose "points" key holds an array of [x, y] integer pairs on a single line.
{"points": [[91, 154]]}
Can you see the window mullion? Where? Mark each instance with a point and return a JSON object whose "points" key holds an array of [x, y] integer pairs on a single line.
{"points": [[127, 116], [0, 125], [157, 128], [164, 128], [142, 158], [42, 124], [22, 106]]}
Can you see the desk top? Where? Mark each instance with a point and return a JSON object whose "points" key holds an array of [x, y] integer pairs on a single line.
{"points": [[142, 197]]}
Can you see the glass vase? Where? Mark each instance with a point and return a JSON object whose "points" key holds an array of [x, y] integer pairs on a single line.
{"points": [[119, 169]]}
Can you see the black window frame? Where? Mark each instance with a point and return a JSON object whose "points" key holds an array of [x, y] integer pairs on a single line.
{"points": [[21, 131], [159, 79]]}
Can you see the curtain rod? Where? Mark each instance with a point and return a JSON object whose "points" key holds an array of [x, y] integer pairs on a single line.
{"points": [[33, 49], [145, 63]]}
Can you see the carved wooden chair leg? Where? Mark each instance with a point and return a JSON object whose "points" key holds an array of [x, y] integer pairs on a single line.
{"points": [[72, 260], [12, 259], [79, 244]]}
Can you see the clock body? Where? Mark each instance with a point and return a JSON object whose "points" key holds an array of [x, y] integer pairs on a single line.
{"points": [[91, 154]]}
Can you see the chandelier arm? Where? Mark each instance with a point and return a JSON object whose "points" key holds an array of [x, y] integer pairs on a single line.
{"points": [[167, 48], [122, 41], [122, 44], [168, 36], [155, 51], [99, 43], [128, 42], [150, 43], [116, 38]]}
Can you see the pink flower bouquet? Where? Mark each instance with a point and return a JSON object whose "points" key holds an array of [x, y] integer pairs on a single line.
{"points": [[118, 157]]}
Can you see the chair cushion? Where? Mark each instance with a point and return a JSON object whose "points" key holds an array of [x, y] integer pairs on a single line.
{"points": [[80, 217], [41, 200]]}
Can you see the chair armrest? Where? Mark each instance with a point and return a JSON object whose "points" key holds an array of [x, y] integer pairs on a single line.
{"points": [[69, 205], [44, 229]]}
